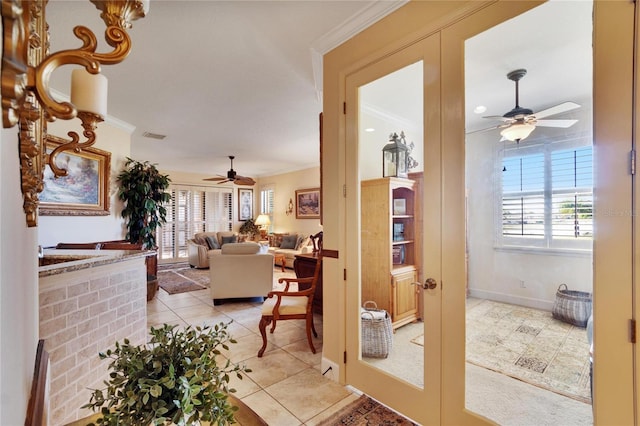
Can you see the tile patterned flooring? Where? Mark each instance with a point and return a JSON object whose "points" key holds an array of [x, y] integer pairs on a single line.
{"points": [[286, 386]]}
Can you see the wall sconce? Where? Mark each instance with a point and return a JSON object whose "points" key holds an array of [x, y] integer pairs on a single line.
{"points": [[289, 207], [27, 66]]}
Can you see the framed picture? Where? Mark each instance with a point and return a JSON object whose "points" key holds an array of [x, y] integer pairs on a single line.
{"points": [[245, 204], [84, 191], [308, 203]]}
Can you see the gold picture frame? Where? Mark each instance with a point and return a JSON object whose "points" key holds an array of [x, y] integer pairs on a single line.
{"points": [[308, 204], [85, 189]]}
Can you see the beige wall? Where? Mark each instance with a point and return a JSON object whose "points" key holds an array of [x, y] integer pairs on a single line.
{"points": [[18, 289], [284, 186]]}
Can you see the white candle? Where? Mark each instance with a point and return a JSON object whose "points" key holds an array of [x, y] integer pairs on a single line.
{"points": [[89, 92]]}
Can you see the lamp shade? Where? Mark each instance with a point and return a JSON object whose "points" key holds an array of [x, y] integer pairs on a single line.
{"points": [[89, 92], [263, 220], [517, 132]]}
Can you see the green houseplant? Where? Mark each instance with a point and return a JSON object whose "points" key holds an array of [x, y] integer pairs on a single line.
{"points": [[249, 228], [143, 190], [175, 378]]}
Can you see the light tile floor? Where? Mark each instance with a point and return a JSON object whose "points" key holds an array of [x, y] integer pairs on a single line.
{"points": [[286, 386]]}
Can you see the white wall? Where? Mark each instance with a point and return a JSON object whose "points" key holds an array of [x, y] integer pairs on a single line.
{"points": [[498, 274], [18, 289], [78, 229]]}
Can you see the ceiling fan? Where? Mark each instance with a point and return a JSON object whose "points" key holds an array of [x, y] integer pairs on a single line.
{"points": [[520, 122], [232, 176]]}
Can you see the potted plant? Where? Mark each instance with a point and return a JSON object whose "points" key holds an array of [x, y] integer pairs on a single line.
{"points": [[175, 378], [249, 228], [142, 188]]}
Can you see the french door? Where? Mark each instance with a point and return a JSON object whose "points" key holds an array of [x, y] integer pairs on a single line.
{"points": [[434, 393]]}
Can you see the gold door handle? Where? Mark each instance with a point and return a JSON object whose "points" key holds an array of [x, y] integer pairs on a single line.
{"points": [[430, 284]]}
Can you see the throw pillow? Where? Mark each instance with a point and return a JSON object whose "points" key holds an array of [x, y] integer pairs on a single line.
{"points": [[302, 242], [289, 242], [230, 239], [212, 242]]}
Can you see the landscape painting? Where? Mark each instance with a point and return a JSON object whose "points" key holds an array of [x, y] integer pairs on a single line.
{"points": [[308, 203], [84, 190]]}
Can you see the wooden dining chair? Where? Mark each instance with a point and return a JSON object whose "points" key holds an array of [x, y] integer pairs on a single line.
{"points": [[289, 305]]}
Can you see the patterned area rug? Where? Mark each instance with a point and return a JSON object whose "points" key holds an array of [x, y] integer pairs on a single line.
{"points": [[366, 412], [181, 281], [180, 278], [528, 345]]}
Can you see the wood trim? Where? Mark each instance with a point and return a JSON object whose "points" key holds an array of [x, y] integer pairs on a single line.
{"points": [[330, 253], [36, 411]]}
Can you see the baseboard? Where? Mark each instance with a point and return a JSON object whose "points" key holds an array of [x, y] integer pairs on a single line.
{"points": [[545, 305], [330, 369]]}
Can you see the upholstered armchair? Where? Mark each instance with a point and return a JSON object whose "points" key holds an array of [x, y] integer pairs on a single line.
{"points": [[240, 270]]}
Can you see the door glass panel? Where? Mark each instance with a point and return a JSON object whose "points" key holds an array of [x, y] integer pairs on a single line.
{"points": [[391, 120], [530, 218]]}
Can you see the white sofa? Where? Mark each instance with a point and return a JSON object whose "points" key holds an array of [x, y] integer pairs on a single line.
{"points": [[240, 270], [277, 245], [198, 249]]}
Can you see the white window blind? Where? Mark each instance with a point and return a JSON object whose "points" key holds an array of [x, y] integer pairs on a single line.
{"points": [[547, 197], [266, 204], [193, 210]]}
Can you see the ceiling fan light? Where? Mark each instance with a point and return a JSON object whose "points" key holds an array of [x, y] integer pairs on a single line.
{"points": [[517, 132]]}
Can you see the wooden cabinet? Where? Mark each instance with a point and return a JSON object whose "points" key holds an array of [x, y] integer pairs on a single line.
{"points": [[388, 237]]}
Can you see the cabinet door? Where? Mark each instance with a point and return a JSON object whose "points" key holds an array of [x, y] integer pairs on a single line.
{"points": [[405, 297]]}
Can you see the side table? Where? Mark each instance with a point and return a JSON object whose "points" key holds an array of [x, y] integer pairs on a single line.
{"points": [[280, 258]]}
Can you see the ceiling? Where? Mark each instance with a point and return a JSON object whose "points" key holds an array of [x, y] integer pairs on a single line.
{"points": [[243, 78]]}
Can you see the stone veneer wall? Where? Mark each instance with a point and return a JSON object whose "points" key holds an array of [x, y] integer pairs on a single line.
{"points": [[84, 312]]}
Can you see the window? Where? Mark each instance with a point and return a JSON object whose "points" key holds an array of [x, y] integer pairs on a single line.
{"points": [[547, 197], [192, 210], [266, 204]]}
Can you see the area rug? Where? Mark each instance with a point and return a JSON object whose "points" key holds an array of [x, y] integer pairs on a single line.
{"points": [[173, 282], [366, 412], [528, 345]]}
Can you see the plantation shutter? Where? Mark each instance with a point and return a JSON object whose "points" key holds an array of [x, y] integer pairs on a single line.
{"points": [[523, 196], [572, 199]]}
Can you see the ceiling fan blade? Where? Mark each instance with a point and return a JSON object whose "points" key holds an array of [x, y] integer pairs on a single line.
{"points": [[560, 108], [497, 117], [556, 123], [486, 129], [243, 180], [216, 178]]}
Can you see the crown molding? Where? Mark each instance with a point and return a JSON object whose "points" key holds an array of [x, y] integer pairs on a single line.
{"points": [[361, 20]]}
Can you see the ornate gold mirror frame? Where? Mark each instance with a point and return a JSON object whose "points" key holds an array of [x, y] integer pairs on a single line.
{"points": [[26, 68]]}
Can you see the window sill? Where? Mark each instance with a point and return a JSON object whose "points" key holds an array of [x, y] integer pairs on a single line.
{"points": [[544, 251]]}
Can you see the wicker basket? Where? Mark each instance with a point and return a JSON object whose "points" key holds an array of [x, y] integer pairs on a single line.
{"points": [[377, 332], [573, 307]]}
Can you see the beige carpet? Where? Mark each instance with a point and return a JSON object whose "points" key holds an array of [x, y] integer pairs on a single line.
{"points": [[529, 345]]}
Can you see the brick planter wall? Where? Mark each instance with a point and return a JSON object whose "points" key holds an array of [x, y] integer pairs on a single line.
{"points": [[83, 312]]}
